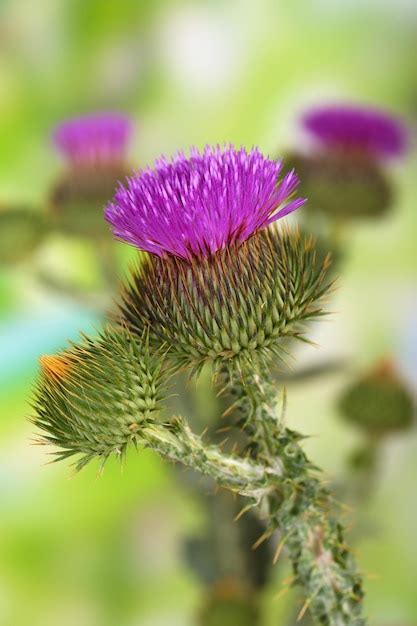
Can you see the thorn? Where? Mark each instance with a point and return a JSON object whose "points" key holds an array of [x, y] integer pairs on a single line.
{"points": [[278, 551], [234, 449], [281, 593], [303, 610], [225, 429], [261, 539], [223, 443], [231, 408], [242, 512]]}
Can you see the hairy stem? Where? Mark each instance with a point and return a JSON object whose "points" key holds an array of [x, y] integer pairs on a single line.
{"points": [[277, 476], [301, 510], [178, 443]]}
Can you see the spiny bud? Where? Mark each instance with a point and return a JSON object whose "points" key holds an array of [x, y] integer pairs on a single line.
{"points": [[55, 367], [21, 232], [94, 398], [343, 184], [235, 305], [378, 402]]}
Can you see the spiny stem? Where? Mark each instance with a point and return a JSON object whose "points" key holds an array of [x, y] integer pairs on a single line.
{"points": [[176, 442], [301, 509]]}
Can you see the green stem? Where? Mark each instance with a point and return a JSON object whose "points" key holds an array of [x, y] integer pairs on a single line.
{"points": [[178, 443], [277, 476], [301, 510]]}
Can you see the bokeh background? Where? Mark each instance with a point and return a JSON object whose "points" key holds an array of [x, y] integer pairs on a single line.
{"points": [[106, 550]]}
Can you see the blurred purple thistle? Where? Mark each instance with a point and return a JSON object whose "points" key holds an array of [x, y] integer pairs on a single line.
{"points": [[362, 129], [192, 207], [95, 138]]}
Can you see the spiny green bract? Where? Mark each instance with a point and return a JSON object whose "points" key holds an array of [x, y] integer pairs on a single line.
{"points": [[234, 306], [343, 185], [94, 398]]}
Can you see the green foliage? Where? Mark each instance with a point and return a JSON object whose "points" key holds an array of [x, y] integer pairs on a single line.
{"points": [[379, 403], [228, 605], [343, 185], [95, 398], [21, 232], [236, 306]]}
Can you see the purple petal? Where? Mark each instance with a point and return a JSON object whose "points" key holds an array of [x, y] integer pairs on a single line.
{"points": [[100, 137], [360, 128], [196, 206]]}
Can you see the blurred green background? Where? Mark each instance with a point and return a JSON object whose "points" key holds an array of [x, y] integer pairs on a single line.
{"points": [[107, 551]]}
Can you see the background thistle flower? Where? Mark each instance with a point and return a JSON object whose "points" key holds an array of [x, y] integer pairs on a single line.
{"points": [[94, 148], [236, 305], [344, 174], [356, 128], [379, 402], [94, 398], [99, 138], [193, 207]]}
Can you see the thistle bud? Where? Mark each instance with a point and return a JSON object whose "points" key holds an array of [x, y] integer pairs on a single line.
{"points": [[21, 232], [345, 175], [236, 305], [94, 398], [379, 402]]}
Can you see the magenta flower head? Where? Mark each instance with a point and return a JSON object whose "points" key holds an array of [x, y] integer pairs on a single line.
{"points": [[361, 129], [96, 138], [192, 207]]}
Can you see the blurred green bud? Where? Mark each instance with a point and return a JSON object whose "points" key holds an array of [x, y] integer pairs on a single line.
{"points": [[228, 604], [94, 398], [236, 305], [379, 402], [21, 232], [77, 201], [342, 184]]}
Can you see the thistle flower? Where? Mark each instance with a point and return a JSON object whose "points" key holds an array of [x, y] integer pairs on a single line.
{"points": [[94, 398], [237, 305], [379, 402], [194, 207], [361, 129], [94, 147], [94, 139]]}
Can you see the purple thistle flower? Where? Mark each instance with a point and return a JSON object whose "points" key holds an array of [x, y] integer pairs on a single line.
{"points": [[357, 128], [96, 138], [192, 207]]}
